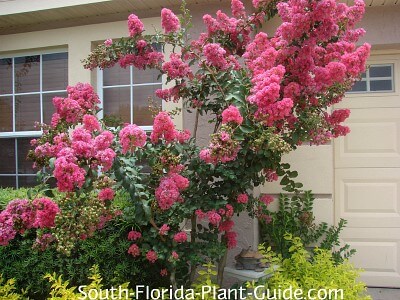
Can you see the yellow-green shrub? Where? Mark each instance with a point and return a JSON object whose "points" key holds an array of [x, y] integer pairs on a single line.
{"points": [[306, 272]]}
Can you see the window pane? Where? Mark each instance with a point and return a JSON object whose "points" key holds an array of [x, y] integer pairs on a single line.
{"points": [[6, 76], [6, 111], [27, 181], [380, 71], [359, 86], [27, 112], [7, 156], [141, 113], [48, 107], [116, 76], [24, 165], [145, 76], [363, 75], [27, 74], [380, 85], [7, 181], [117, 104], [55, 71]]}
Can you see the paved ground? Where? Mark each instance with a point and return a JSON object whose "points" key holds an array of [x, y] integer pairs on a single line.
{"points": [[384, 294]]}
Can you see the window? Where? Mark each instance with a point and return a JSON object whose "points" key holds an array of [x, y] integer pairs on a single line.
{"points": [[27, 87], [377, 78], [125, 95]]}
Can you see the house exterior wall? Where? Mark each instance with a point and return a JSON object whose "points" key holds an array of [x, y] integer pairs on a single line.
{"points": [[316, 165]]}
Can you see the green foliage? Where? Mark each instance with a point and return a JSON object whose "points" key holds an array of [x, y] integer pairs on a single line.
{"points": [[303, 271], [7, 290], [8, 194], [107, 249], [207, 277], [61, 290], [295, 216]]}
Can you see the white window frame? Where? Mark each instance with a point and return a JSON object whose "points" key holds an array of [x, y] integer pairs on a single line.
{"points": [[131, 85], [368, 80], [26, 134]]}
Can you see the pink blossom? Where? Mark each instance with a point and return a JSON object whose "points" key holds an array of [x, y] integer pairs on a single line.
{"points": [[163, 127], [134, 250], [175, 255], [43, 242], [215, 55], [270, 175], [176, 68], [135, 26], [232, 114], [213, 217], [229, 211], [226, 225], [183, 136], [84, 94], [106, 158], [164, 229], [108, 42], [180, 237], [169, 190], [55, 120], [151, 256], [132, 137], [163, 272], [237, 8], [169, 21], [134, 235], [106, 194], [171, 94], [46, 211], [91, 123], [103, 140], [68, 174], [242, 198], [231, 241], [266, 199]]}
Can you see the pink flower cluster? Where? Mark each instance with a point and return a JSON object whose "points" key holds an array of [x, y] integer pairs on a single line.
{"points": [[106, 194], [145, 56], [171, 94], [232, 114], [266, 199], [81, 100], [223, 148], [169, 190], [134, 235], [132, 137], [135, 26], [265, 94], [180, 237], [215, 56], [242, 198], [152, 256], [164, 229], [21, 214], [169, 21], [46, 211], [163, 128], [176, 68], [134, 250]]}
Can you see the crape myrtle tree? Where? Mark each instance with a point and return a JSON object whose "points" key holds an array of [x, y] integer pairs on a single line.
{"points": [[265, 95]]}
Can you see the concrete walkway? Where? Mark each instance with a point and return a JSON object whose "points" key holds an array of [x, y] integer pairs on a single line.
{"points": [[384, 294]]}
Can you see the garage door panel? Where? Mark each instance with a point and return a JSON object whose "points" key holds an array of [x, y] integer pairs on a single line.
{"points": [[368, 197], [374, 140], [378, 254]]}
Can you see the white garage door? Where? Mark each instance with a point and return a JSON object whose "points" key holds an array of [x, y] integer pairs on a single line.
{"points": [[367, 172]]}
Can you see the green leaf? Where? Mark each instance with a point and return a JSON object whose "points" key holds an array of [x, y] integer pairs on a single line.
{"points": [[246, 129]]}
